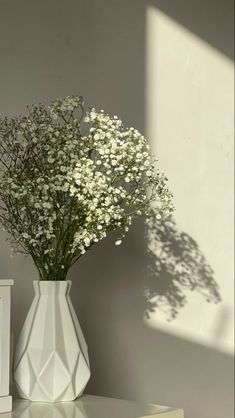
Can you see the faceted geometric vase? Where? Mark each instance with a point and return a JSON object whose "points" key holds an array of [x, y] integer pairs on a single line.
{"points": [[51, 359]]}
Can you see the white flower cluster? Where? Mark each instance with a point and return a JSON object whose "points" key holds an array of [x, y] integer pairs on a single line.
{"points": [[68, 177]]}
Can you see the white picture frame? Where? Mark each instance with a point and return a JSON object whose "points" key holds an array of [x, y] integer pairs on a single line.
{"points": [[5, 309]]}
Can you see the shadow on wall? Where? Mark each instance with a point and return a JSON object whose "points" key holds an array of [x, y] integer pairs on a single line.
{"points": [[210, 20], [175, 264], [109, 292], [169, 263]]}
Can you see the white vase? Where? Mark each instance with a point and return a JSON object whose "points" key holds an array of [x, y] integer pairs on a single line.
{"points": [[51, 359]]}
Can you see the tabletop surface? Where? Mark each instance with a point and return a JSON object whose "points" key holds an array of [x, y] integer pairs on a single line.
{"points": [[90, 406]]}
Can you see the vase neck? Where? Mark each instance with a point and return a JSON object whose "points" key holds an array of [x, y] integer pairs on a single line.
{"points": [[47, 287]]}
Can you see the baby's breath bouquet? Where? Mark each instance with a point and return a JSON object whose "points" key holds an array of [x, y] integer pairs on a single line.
{"points": [[70, 176]]}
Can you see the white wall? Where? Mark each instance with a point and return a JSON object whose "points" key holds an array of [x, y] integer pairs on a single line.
{"points": [[189, 117], [175, 84]]}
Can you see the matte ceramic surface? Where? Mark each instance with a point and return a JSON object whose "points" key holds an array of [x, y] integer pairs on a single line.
{"points": [[92, 407], [51, 359]]}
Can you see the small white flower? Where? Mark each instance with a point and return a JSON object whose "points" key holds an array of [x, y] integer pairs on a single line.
{"points": [[92, 193], [46, 205], [118, 242]]}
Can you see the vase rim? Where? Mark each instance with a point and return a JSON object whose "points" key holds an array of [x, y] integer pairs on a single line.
{"points": [[49, 287]]}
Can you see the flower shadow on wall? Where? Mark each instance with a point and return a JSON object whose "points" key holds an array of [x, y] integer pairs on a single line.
{"points": [[129, 358], [175, 264]]}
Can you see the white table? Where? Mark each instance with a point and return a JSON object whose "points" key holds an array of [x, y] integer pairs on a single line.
{"points": [[90, 406]]}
